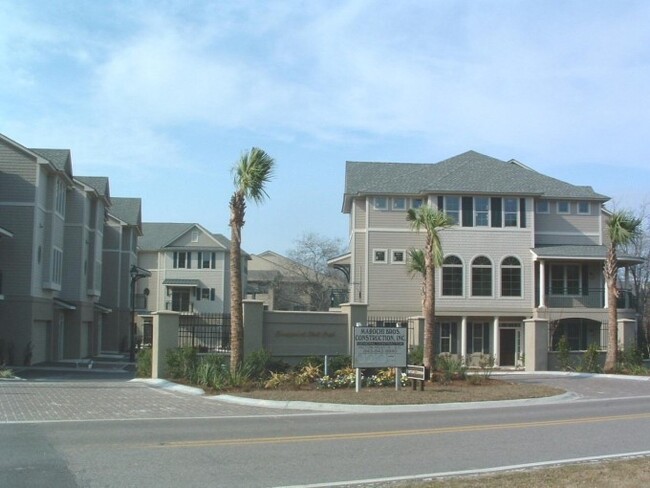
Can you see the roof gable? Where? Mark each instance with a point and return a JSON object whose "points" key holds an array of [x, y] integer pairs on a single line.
{"points": [[128, 210], [160, 235]]}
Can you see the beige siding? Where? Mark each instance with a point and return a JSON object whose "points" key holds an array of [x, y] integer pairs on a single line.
{"points": [[570, 229], [359, 213]]}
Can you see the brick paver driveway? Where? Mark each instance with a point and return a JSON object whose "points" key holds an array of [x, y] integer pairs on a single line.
{"points": [[38, 401]]}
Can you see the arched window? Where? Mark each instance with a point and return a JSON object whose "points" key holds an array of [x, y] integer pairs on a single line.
{"points": [[481, 277], [452, 276], [510, 277]]}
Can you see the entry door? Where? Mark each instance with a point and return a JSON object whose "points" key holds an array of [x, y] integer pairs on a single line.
{"points": [[507, 341], [181, 300]]}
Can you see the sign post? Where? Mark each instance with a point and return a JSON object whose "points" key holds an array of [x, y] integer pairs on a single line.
{"points": [[379, 347]]}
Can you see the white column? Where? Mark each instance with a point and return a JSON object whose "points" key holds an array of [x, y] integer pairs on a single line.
{"points": [[463, 339], [542, 284], [495, 341]]}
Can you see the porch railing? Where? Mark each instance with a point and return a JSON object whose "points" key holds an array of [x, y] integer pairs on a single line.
{"points": [[593, 298]]}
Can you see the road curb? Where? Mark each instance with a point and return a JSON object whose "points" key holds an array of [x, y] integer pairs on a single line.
{"points": [[168, 385]]}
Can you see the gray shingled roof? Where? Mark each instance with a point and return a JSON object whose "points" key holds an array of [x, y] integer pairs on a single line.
{"points": [[581, 252], [157, 235], [470, 172], [127, 209], [97, 183], [60, 158]]}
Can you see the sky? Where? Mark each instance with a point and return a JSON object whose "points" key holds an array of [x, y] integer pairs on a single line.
{"points": [[164, 96]]}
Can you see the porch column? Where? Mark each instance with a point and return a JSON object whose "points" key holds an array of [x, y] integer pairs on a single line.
{"points": [[463, 339], [542, 284], [495, 341]]}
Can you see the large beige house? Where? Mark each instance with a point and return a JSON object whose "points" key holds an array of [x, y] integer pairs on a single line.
{"points": [[54, 279], [525, 248], [189, 266]]}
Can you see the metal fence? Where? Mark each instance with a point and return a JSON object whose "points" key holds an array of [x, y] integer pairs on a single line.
{"points": [[381, 321], [205, 332]]}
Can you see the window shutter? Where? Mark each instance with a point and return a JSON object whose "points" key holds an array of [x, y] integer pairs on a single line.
{"points": [[189, 260], [212, 294], [454, 338], [486, 338], [585, 280], [495, 206], [175, 259], [198, 293], [522, 212], [214, 260], [470, 337], [441, 204], [468, 211]]}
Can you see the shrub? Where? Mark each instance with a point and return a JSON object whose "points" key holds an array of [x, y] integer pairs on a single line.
{"points": [[6, 372], [181, 363], [590, 360], [212, 370], [450, 368], [486, 367], [563, 357], [416, 356], [630, 357], [143, 363]]}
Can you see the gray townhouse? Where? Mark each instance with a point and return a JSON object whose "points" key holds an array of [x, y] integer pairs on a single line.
{"points": [[189, 266], [51, 256], [525, 248]]}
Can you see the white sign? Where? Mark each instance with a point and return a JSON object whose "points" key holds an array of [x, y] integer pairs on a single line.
{"points": [[380, 347]]}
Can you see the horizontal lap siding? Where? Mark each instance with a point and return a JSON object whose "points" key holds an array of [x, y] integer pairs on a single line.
{"points": [[553, 228], [496, 245], [18, 178]]}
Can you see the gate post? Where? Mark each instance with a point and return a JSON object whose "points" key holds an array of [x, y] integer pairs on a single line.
{"points": [[536, 347], [164, 337], [357, 313], [253, 311]]}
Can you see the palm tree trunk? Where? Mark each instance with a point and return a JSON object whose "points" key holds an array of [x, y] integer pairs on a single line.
{"points": [[429, 311], [611, 267], [237, 211]]}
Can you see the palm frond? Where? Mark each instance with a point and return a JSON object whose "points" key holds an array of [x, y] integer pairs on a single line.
{"points": [[251, 174]]}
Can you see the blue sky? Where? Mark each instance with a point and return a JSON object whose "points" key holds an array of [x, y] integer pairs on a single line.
{"points": [[163, 96]]}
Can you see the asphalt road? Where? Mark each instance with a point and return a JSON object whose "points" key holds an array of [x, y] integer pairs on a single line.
{"points": [[148, 437]]}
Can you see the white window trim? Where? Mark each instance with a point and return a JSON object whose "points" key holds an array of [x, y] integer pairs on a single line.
{"points": [[560, 212], [442, 280], [195, 235], [565, 280], [488, 211], [458, 212], [374, 256], [515, 212], [404, 206], [588, 212], [413, 200], [471, 277], [375, 205], [521, 274], [392, 256]]}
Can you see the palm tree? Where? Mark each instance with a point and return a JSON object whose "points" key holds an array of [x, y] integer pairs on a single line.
{"points": [[622, 228], [416, 266], [250, 175], [431, 221]]}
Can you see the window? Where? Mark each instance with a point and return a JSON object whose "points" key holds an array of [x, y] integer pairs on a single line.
{"points": [[565, 279], [584, 208], [481, 211], [205, 293], [195, 236], [57, 266], [452, 276], [379, 255], [479, 340], [207, 260], [510, 212], [563, 207], [481, 277], [380, 203], [448, 338], [511, 277], [541, 207], [452, 208], [60, 197], [399, 203], [416, 202], [398, 256], [182, 259]]}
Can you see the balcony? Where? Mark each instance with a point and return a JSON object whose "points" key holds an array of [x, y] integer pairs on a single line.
{"points": [[593, 298]]}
